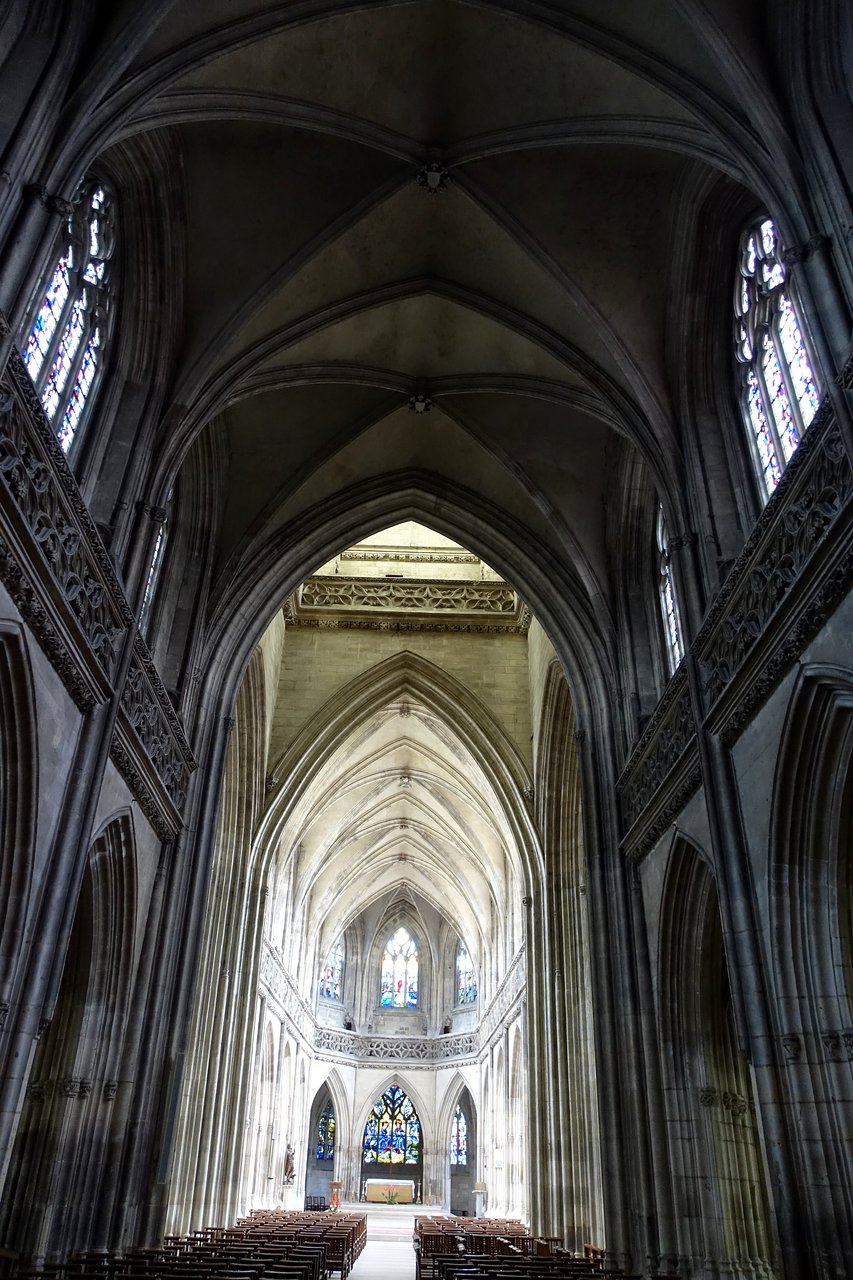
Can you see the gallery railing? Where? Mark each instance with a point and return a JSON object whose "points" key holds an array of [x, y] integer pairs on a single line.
{"points": [[59, 574], [793, 571]]}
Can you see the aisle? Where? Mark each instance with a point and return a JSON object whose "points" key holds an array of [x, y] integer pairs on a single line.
{"points": [[388, 1254], [385, 1260]]}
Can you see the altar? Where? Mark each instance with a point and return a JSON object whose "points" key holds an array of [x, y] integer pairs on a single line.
{"points": [[378, 1189]]}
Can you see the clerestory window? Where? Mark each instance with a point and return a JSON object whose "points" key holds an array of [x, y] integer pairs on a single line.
{"points": [[65, 349], [331, 979], [399, 987], [666, 595], [779, 392], [466, 978]]}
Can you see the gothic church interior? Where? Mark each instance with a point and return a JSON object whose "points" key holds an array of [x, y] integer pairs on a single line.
{"points": [[426, 684]]}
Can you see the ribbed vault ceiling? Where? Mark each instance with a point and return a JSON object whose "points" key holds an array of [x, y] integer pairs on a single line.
{"points": [[401, 802], [532, 299]]}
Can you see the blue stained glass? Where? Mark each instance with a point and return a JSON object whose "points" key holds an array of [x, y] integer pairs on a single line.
{"points": [[399, 981], [64, 358], [392, 1133], [794, 351], [459, 1138], [332, 976], [770, 467], [326, 1133], [780, 402], [466, 979], [82, 386], [44, 327], [65, 323]]}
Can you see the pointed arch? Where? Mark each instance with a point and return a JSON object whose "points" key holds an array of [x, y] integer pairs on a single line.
{"points": [[18, 791], [50, 1204], [809, 852], [392, 1079], [713, 1132], [811, 933]]}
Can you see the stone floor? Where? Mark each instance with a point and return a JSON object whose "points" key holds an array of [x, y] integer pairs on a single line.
{"points": [[388, 1254]]}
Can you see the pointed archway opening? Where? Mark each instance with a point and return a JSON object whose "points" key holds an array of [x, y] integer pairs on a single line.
{"points": [[392, 1150], [386, 879]]}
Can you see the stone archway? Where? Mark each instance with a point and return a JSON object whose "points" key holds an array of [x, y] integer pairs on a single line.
{"points": [[715, 1144]]}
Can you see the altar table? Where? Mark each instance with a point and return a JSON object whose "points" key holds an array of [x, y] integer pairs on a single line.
{"points": [[376, 1189]]}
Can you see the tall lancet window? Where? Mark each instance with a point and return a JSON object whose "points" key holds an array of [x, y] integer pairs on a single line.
{"points": [[459, 1138], [399, 987], [64, 351], [466, 978], [331, 979], [326, 1125], [668, 603], [779, 390]]}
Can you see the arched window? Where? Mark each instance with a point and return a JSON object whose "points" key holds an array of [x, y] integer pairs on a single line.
{"points": [[780, 394], [466, 978], [666, 592], [326, 1132], [155, 567], [64, 352], [331, 980], [392, 1134], [459, 1138], [399, 972]]}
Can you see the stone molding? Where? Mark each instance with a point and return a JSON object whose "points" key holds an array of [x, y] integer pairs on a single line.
{"points": [[60, 575], [149, 747], [793, 571], [52, 559], [662, 772], [279, 984]]}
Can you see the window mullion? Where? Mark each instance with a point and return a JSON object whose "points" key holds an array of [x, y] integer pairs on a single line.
{"points": [[767, 402], [74, 278]]}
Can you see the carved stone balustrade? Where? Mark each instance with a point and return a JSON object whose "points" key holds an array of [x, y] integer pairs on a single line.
{"points": [[57, 570], [421, 1049], [149, 748], [663, 770], [52, 560], [793, 571]]}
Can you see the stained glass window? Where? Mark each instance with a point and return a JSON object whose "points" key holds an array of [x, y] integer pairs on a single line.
{"points": [[331, 979], [459, 1138], [64, 349], [392, 1134], [399, 972], [326, 1132], [466, 978], [668, 603], [780, 392]]}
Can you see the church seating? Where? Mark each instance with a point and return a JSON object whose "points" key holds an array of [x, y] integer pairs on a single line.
{"points": [[265, 1246]]}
